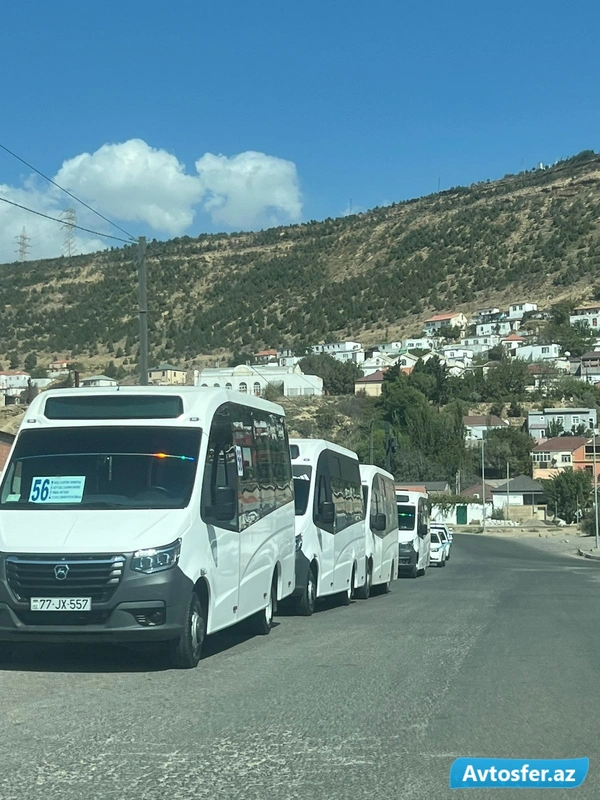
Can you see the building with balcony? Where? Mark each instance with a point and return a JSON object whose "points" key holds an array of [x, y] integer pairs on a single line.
{"points": [[557, 454], [560, 420]]}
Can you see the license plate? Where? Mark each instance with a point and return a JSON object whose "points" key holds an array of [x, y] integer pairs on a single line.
{"points": [[61, 603]]}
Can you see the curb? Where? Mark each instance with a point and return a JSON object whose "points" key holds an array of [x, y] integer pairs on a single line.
{"points": [[588, 555]]}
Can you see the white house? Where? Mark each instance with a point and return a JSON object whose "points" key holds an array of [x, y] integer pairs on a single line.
{"points": [[478, 426], [406, 361], [537, 352], [512, 342], [390, 347], [452, 320], [586, 315], [501, 327], [98, 380], [14, 380], [290, 381], [480, 344], [342, 351], [452, 351], [486, 314], [523, 496], [422, 343], [376, 362], [518, 310]]}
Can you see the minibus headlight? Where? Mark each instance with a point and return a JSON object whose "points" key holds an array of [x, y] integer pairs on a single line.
{"points": [[156, 559]]}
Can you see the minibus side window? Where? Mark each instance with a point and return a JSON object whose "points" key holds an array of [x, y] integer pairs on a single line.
{"points": [[220, 473], [322, 492]]}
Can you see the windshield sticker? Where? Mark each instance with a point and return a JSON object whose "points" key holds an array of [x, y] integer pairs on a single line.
{"points": [[13, 498], [240, 460], [58, 489]]}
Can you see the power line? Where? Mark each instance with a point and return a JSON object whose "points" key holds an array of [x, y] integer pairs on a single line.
{"points": [[66, 191], [62, 222]]}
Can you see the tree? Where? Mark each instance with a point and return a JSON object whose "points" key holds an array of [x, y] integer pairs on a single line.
{"points": [[507, 379], [338, 377], [568, 493], [554, 428], [508, 446], [14, 361], [30, 362], [110, 370]]}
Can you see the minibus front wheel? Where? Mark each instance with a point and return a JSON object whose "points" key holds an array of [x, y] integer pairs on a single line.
{"points": [[262, 621], [186, 652]]}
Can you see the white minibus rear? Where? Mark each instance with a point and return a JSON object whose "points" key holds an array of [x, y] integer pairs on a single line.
{"points": [[413, 532], [381, 529], [330, 537], [145, 514]]}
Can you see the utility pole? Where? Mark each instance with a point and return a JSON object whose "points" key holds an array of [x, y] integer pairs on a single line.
{"points": [[371, 426], [596, 491], [23, 245], [483, 483], [388, 453], [457, 486], [69, 218], [143, 311], [507, 489]]}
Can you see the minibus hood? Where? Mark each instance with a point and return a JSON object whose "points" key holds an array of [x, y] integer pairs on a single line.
{"points": [[77, 532], [407, 536]]}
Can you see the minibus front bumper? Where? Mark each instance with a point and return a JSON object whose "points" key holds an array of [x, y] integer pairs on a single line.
{"points": [[142, 608], [407, 558]]}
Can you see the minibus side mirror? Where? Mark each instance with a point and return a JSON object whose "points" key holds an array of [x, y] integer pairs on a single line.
{"points": [[327, 513], [379, 522], [225, 502]]}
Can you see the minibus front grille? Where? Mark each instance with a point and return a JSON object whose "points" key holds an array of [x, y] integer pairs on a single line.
{"points": [[95, 576]]}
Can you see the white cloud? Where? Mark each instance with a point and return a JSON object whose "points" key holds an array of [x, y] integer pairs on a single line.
{"points": [[132, 182], [249, 189]]}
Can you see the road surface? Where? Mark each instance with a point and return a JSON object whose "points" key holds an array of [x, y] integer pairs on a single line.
{"points": [[497, 654]]}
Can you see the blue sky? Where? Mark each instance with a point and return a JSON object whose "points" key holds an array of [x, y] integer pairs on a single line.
{"points": [[370, 101]]}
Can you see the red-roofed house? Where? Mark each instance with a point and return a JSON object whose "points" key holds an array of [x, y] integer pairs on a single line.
{"points": [[370, 384], [512, 342], [556, 454], [265, 357], [478, 426], [451, 320]]}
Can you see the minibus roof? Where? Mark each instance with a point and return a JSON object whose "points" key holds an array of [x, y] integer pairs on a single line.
{"points": [[368, 472], [311, 449], [198, 404]]}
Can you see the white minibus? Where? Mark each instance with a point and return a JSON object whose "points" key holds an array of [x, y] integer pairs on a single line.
{"points": [[413, 532], [145, 514], [330, 536], [381, 530]]}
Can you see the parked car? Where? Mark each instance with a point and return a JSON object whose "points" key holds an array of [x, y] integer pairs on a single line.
{"points": [[437, 549], [445, 527]]}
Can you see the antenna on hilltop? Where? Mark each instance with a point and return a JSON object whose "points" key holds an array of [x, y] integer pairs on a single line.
{"points": [[69, 218], [23, 245]]}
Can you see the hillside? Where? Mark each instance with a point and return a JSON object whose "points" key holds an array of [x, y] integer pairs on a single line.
{"points": [[372, 276]]}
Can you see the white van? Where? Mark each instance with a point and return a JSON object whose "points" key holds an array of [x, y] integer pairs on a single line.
{"points": [[145, 514], [413, 532], [381, 530], [330, 535]]}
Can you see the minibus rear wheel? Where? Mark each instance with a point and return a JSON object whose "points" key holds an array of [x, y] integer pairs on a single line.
{"points": [[262, 622], [305, 604], [186, 652]]}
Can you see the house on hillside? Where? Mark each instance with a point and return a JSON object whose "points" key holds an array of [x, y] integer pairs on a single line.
{"points": [[419, 343], [485, 315], [407, 362], [585, 457], [589, 367], [522, 498], [480, 344], [342, 351], [167, 375], [98, 380], [59, 364], [376, 362], [537, 352], [247, 379], [512, 343], [518, 310], [389, 347], [499, 328], [556, 454], [586, 315], [567, 420], [370, 384], [265, 357], [478, 426], [451, 320]]}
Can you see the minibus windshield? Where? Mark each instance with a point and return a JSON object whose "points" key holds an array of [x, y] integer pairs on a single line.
{"points": [[301, 488], [102, 467], [406, 518]]}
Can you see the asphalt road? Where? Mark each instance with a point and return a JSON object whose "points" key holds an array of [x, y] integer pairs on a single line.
{"points": [[497, 654]]}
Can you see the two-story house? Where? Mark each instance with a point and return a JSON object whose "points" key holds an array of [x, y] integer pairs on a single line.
{"points": [[342, 351], [518, 310], [479, 344], [477, 427], [167, 375], [538, 352], [558, 420], [586, 315], [451, 320], [589, 367], [556, 454]]}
